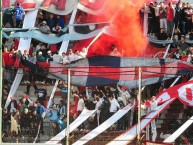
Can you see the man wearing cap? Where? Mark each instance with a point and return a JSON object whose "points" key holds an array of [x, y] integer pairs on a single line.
{"points": [[44, 28], [124, 94], [41, 94], [40, 57], [49, 56]]}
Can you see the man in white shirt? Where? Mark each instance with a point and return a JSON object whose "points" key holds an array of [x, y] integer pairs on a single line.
{"points": [[124, 94], [80, 105], [77, 55], [114, 105], [64, 58], [84, 52], [71, 56]]}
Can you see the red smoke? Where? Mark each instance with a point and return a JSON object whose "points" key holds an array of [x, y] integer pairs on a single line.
{"points": [[131, 41]]}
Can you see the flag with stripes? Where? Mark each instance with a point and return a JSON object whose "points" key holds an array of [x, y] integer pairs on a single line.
{"points": [[107, 70]]}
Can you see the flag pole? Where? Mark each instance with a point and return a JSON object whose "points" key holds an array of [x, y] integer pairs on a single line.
{"points": [[139, 108], [1, 70], [68, 110]]}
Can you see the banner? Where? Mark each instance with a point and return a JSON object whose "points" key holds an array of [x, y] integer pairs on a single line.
{"points": [[105, 125], [114, 70], [52, 94], [59, 7], [97, 7], [153, 130], [129, 135], [178, 132], [182, 91], [14, 86], [51, 38], [81, 118], [64, 46], [29, 22], [24, 44]]}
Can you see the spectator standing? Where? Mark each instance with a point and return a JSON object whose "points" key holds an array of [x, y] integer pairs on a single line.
{"points": [[163, 16], [41, 114], [51, 21], [55, 129], [41, 94], [71, 56], [124, 94], [8, 16], [54, 114], [170, 18], [157, 22], [151, 19], [183, 19], [5, 56], [61, 108], [18, 10], [25, 121], [113, 108], [104, 110], [189, 13], [80, 105], [178, 14], [64, 58], [6, 122], [114, 105], [60, 21], [34, 119], [63, 123]]}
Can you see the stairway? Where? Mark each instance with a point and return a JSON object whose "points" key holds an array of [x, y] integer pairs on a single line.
{"points": [[101, 139]]}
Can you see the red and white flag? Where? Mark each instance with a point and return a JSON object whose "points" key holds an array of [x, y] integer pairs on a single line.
{"points": [[184, 92]]}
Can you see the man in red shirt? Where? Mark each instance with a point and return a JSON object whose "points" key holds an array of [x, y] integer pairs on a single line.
{"points": [[5, 56]]}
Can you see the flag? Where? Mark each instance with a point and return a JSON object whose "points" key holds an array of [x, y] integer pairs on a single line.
{"points": [[82, 31], [59, 7], [182, 91], [107, 70]]}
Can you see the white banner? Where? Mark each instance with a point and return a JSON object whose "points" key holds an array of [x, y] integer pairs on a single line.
{"points": [[178, 132], [52, 94], [24, 44], [92, 11], [81, 118], [129, 135], [105, 125], [14, 86], [65, 44], [29, 22], [153, 130]]}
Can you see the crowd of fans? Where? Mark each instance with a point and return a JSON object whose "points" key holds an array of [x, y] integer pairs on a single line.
{"points": [[171, 22], [24, 117]]}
